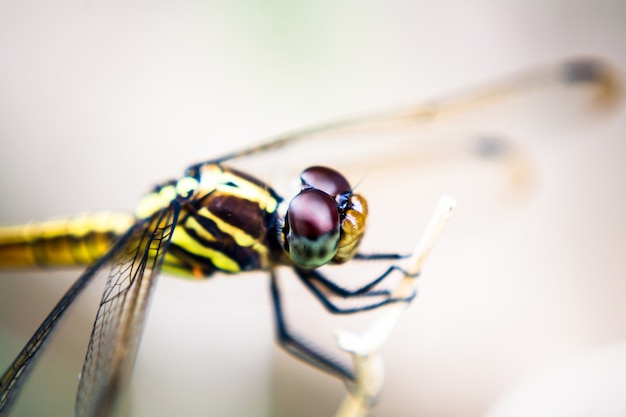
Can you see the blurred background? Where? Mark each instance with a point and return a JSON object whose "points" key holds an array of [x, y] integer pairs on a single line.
{"points": [[521, 306]]}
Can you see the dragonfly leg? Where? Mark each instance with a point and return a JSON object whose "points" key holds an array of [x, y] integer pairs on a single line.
{"points": [[365, 290], [380, 256], [302, 349], [311, 276]]}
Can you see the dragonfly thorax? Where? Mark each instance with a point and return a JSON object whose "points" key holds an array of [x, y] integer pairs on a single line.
{"points": [[227, 222]]}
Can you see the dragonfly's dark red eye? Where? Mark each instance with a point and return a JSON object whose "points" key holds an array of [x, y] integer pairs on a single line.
{"points": [[325, 179], [312, 228]]}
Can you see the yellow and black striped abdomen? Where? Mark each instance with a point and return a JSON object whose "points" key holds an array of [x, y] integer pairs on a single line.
{"points": [[71, 241]]}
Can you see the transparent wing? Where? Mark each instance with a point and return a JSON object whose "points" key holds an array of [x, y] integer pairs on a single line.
{"points": [[405, 132], [120, 319], [12, 379]]}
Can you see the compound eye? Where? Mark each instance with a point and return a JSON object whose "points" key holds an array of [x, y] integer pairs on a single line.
{"points": [[325, 179], [313, 229]]}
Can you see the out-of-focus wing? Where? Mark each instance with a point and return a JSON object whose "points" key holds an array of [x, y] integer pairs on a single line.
{"points": [[369, 134], [121, 316]]}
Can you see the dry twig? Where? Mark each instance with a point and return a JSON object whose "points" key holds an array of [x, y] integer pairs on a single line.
{"points": [[364, 347]]}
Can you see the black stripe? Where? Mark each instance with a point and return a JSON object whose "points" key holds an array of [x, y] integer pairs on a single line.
{"points": [[209, 225], [247, 258]]}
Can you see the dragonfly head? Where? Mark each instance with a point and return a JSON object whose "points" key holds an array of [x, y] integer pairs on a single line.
{"points": [[325, 222]]}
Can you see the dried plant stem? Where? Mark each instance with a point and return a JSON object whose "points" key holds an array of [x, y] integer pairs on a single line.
{"points": [[364, 347]]}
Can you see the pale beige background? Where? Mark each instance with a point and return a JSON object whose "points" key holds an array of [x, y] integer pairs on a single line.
{"points": [[525, 292]]}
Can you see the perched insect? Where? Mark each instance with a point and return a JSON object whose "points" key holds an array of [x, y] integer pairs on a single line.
{"points": [[219, 219]]}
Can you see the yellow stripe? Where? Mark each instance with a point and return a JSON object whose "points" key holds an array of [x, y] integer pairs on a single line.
{"points": [[240, 237], [192, 224], [182, 239], [213, 177], [155, 201], [172, 265]]}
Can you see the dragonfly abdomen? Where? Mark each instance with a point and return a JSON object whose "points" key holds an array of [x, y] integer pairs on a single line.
{"points": [[73, 241]]}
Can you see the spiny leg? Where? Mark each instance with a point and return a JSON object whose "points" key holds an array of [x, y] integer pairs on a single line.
{"points": [[304, 350], [365, 290], [311, 275], [380, 256]]}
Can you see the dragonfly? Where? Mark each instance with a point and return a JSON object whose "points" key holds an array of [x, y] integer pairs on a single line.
{"points": [[219, 219]]}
